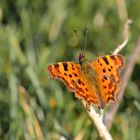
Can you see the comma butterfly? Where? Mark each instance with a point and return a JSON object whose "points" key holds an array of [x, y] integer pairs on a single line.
{"points": [[96, 81]]}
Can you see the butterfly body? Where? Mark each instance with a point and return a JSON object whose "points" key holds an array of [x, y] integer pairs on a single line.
{"points": [[97, 81], [92, 79]]}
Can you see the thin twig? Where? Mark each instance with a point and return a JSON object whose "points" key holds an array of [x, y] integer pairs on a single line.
{"points": [[97, 120], [128, 71], [126, 36]]}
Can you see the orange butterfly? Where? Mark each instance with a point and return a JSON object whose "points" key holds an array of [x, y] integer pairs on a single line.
{"points": [[97, 81]]}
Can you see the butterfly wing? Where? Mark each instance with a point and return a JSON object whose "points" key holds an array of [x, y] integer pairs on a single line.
{"points": [[108, 71], [75, 80]]}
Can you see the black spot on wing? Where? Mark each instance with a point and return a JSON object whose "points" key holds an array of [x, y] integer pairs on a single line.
{"points": [[79, 82], [83, 84], [73, 81], [100, 64], [109, 70], [56, 65], [114, 59], [72, 67], [86, 89], [75, 75], [103, 80], [104, 70], [105, 77], [105, 60], [65, 66]]}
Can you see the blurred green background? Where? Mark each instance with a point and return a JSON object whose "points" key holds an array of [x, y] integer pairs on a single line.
{"points": [[36, 33]]}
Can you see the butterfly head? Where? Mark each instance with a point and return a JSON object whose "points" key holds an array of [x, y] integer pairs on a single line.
{"points": [[81, 58]]}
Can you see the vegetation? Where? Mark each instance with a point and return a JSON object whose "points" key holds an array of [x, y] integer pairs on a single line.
{"points": [[36, 33]]}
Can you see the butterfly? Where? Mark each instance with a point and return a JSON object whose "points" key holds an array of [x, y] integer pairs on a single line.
{"points": [[96, 82]]}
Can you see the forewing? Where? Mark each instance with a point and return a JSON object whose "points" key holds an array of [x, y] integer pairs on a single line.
{"points": [[75, 80], [108, 70]]}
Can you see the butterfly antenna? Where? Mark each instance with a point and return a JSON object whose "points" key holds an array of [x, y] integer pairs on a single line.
{"points": [[81, 55], [85, 41], [86, 33], [75, 31]]}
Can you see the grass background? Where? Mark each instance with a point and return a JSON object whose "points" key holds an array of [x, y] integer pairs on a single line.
{"points": [[36, 33]]}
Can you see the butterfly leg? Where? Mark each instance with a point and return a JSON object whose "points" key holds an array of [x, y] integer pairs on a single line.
{"points": [[88, 107], [101, 113]]}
